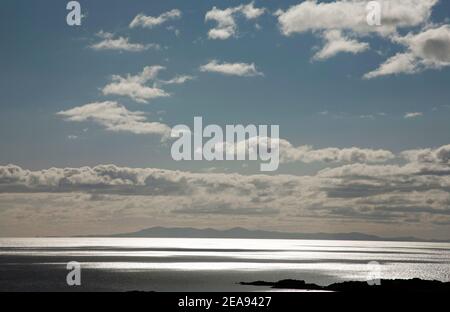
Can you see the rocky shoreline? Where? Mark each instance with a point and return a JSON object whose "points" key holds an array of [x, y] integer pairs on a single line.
{"points": [[385, 285]]}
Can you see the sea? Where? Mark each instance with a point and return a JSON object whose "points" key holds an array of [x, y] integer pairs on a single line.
{"points": [[198, 264]]}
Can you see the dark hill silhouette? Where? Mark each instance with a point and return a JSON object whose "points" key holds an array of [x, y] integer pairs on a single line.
{"points": [[411, 285], [239, 232]]}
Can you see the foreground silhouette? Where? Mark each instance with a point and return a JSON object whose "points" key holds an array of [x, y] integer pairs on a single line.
{"points": [[411, 285]]}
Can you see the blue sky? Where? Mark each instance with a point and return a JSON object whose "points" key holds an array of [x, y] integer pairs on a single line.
{"points": [[49, 67], [57, 70]]}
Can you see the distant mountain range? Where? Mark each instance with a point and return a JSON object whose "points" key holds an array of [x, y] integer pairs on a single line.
{"points": [[238, 232]]}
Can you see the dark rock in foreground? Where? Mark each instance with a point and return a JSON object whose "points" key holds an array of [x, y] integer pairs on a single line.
{"points": [[412, 285]]}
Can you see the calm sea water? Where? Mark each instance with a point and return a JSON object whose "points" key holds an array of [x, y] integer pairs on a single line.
{"points": [[185, 264]]}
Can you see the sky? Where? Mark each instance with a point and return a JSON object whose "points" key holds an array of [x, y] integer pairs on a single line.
{"points": [[85, 113]]}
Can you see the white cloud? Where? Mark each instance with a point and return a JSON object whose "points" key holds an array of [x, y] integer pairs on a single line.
{"points": [[226, 25], [115, 117], [109, 42], [431, 45], [150, 21], [232, 69], [331, 19], [399, 63], [428, 49], [250, 12], [137, 88], [307, 154], [351, 15], [336, 43], [439, 155], [413, 115], [180, 79], [226, 19]]}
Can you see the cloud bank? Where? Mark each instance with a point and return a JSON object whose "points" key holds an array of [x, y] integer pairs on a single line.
{"points": [[378, 196]]}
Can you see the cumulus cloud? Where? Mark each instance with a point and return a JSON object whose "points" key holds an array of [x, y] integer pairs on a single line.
{"points": [[110, 42], [226, 19], [305, 153], [308, 154], [137, 88], [431, 45], [439, 155], [250, 12], [336, 43], [134, 86], [115, 117], [226, 25], [144, 21], [351, 15], [428, 49], [399, 63], [231, 69]]}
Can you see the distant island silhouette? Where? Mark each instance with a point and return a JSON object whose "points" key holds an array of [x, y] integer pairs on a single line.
{"points": [[238, 232]]}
